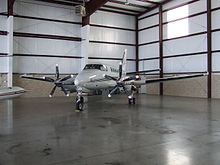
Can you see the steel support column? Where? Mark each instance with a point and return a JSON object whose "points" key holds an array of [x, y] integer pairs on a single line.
{"points": [[161, 45], [209, 49], [85, 20], [136, 46], [10, 21]]}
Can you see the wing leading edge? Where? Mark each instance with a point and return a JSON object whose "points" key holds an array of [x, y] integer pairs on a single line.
{"points": [[156, 80]]}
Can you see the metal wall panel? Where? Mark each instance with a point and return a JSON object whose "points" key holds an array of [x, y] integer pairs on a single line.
{"points": [[39, 46], [3, 66], [194, 8], [3, 44], [44, 10], [3, 5], [196, 24], [3, 23], [116, 36], [46, 27], [149, 35], [215, 3], [215, 41], [149, 51], [113, 19], [149, 13], [186, 64], [112, 35], [46, 47], [185, 45], [215, 19], [148, 22], [149, 65], [216, 61], [174, 3], [110, 50], [45, 65]]}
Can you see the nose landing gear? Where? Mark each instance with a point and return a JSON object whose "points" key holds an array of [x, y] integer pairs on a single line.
{"points": [[131, 100], [79, 103]]}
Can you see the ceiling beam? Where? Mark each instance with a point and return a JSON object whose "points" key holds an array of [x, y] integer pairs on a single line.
{"points": [[58, 2], [93, 5], [118, 12], [10, 7], [129, 4], [154, 7], [119, 8], [147, 1]]}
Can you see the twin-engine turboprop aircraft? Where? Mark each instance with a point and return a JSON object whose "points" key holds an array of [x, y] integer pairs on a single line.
{"points": [[101, 77]]}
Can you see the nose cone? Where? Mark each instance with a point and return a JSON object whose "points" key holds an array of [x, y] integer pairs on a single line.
{"points": [[84, 77]]}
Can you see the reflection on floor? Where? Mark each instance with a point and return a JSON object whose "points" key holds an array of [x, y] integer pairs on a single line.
{"points": [[155, 131]]}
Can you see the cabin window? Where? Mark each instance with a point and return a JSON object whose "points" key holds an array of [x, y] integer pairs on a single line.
{"points": [[95, 66]]}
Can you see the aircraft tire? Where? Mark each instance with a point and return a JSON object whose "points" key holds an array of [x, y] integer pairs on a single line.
{"points": [[131, 101], [79, 105]]}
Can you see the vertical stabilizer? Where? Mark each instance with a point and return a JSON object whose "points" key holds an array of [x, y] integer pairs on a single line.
{"points": [[124, 62]]}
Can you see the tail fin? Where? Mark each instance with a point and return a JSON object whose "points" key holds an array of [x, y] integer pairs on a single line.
{"points": [[124, 61]]}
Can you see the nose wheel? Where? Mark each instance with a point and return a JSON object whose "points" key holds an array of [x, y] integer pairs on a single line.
{"points": [[131, 100], [79, 103]]}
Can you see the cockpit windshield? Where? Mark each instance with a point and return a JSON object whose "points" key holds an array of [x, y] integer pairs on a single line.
{"points": [[95, 66]]}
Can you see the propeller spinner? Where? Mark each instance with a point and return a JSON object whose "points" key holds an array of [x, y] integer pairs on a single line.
{"points": [[120, 82], [58, 82]]}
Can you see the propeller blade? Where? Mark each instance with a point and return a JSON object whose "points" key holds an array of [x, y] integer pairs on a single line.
{"points": [[120, 71], [110, 77], [53, 90], [64, 91], [125, 90], [57, 72], [49, 79], [113, 91], [66, 78]]}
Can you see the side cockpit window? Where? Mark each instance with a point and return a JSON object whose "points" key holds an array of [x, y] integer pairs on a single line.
{"points": [[103, 68], [114, 70]]}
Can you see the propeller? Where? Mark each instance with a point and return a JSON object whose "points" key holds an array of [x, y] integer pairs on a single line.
{"points": [[58, 82], [120, 82]]}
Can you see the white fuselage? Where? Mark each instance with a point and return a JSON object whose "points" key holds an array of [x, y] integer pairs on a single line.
{"points": [[94, 79]]}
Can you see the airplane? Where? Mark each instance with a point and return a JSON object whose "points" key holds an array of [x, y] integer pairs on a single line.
{"points": [[97, 76]]}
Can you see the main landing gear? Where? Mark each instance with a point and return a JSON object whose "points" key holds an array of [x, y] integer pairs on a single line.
{"points": [[131, 99], [79, 103]]}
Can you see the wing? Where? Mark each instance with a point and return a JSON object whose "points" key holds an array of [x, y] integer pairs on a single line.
{"points": [[47, 79], [156, 80]]}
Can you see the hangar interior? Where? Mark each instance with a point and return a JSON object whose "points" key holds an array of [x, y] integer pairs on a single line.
{"points": [[46, 34], [170, 37]]}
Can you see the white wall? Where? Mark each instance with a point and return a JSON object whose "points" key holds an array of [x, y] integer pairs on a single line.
{"points": [[112, 35], [40, 46], [3, 39], [181, 46]]}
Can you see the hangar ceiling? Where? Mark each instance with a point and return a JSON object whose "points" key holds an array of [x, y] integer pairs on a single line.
{"points": [[130, 7]]}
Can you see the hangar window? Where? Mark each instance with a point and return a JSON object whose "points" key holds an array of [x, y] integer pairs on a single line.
{"points": [[181, 27]]}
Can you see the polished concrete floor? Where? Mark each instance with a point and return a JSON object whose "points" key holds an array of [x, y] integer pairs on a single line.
{"points": [[155, 131]]}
